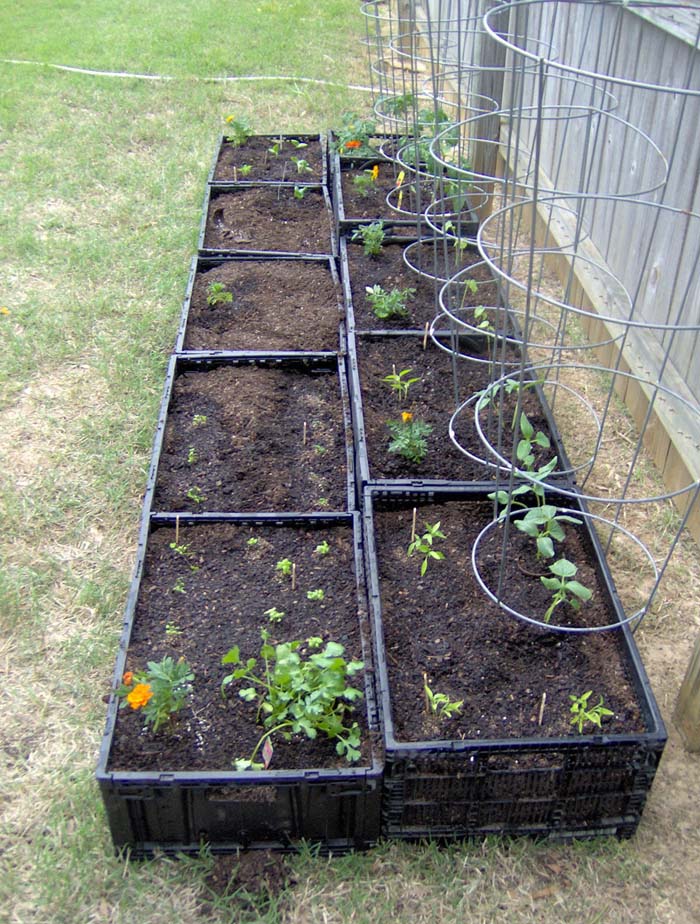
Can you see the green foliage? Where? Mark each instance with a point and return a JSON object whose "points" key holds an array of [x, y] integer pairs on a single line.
{"points": [[439, 703], [315, 594], [245, 169], [388, 305], [199, 420], [192, 455], [529, 438], [179, 548], [274, 615], [482, 320], [399, 384], [564, 589], [195, 495], [323, 548], [238, 130], [582, 713], [396, 105], [179, 586], [544, 525], [363, 183], [372, 237], [300, 191], [160, 691], [217, 294], [172, 628], [423, 545], [284, 566], [297, 695], [409, 437], [302, 165], [352, 137], [252, 542]]}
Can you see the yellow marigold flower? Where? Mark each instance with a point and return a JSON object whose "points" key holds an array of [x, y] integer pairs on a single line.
{"points": [[4, 310], [128, 678], [375, 173], [140, 695], [229, 119], [401, 177], [406, 416]]}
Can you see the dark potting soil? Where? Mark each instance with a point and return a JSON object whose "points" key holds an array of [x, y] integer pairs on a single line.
{"points": [[390, 271], [249, 452], [444, 627], [268, 218], [373, 203], [431, 400], [225, 587], [277, 305], [266, 165]]}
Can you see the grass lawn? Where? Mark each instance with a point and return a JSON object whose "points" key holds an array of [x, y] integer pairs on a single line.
{"points": [[102, 180]]}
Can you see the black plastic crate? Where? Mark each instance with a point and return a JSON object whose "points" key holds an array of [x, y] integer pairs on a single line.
{"points": [[327, 243], [177, 812], [560, 788], [261, 143], [328, 367], [202, 265]]}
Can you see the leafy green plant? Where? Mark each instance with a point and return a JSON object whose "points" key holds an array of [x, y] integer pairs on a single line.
{"points": [[372, 237], [274, 615], [297, 145], [396, 105], [319, 449], [352, 137], [323, 548], [409, 437], [300, 191], [544, 525], [388, 305], [238, 130], [297, 695], [172, 628], [217, 294], [315, 594], [159, 692], [245, 169], [199, 420], [423, 545], [276, 147], [363, 183], [440, 704], [302, 165], [192, 455], [564, 588], [482, 320], [284, 566], [528, 439], [195, 495], [179, 586], [398, 382], [252, 542], [179, 548], [583, 713]]}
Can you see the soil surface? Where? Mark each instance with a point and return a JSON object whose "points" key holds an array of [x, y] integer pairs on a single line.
{"points": [[472, 651], [431, 400], [276, 305], [389, 270], [256, 153], [268, 218], [249, 452], [225, 587]]}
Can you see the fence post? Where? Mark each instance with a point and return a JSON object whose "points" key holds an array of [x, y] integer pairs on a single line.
{"points": [[687, 713]]}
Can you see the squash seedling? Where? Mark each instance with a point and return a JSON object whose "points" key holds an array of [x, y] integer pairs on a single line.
{"points": [[543, 524], [300, 191], [302, 165], [564, 589]]}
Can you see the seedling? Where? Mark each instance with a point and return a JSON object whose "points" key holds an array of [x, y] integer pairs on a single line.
{"points": [[322, 548], [179, 548], [398, 382], [195, 495], [252, 542], [297, 695], [192, 455], [319, 449], [482, 320], [172, 628], [179, 587], [300, 191], [543, 524], [217, 294], [363, 183], [238, 130], [322, 502], [529, 438], [245, 169], [276, 147], [582, 713], [396, 105], [388, 305], [297, 145], [199, 420], [439, 703], [564, 590], [284, 566], [423, 545], [160, 691], [315, 594], [274, 615], [372, 237], [302, 165], [409, 437]]}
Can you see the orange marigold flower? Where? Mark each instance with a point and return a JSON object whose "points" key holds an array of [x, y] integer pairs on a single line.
{"points": [[140, 695], [353, 144], [406, 416], [375, 172], [128, 678]]}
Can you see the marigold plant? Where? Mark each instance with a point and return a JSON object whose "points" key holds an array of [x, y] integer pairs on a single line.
{"points": [[160, 691]]}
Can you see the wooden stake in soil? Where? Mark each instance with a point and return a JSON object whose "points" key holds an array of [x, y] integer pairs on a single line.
{"points": [[235, 174], [544, 700], [177, 529], [425, 335], [303, 439], [425, 693], [413, 524], [294, 577]]}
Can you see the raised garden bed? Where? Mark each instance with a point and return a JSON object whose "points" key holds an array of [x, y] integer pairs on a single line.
{"points": [[199, 589], [254, 434], [510, 762], [390, 271], [272, 158], [266, 218], [243, 303]]}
